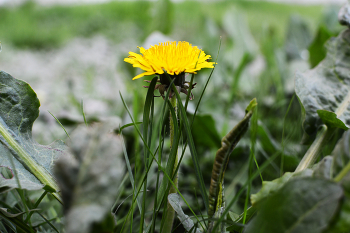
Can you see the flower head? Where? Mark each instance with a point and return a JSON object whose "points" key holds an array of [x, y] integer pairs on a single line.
{"points": [[170, 57]]}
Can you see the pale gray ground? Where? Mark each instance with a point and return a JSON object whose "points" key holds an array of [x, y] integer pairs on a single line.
{"points": [[82, 69]]}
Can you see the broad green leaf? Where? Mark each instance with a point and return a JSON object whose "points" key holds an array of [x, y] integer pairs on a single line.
{"points": [[326, 87], [341, 154], [232, 217], [341, 223], [204, 132], [317, 51], [270, 187], [330, 118], [321, 170], [302, 205], [90, 177], [32, 162]]}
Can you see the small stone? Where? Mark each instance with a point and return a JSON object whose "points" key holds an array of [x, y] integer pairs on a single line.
{"points": [[344, 15]]}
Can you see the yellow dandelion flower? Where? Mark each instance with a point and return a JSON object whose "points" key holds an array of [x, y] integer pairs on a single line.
{"points": [[170, 57]]}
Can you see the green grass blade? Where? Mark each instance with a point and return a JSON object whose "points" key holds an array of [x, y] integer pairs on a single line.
{"points": [[36, 205], [60, 124], [82, 111], [119, 193], [3, 229], [127, 125], [20, 225], [129, 170], [48, 222], [240, 192]]}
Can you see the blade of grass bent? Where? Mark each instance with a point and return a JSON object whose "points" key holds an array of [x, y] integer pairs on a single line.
{"points": [[128, 125], [60, 124]]}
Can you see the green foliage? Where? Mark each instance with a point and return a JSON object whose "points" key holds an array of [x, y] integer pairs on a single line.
{"points": [[326, 87], [33, 27], [204, 132]]}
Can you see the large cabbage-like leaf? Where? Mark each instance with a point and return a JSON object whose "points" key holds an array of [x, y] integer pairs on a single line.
{"points": [[324, 91], [24, 157], [301, 205]]}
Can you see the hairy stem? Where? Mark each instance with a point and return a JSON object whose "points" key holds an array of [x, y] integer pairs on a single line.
{"points": [[170, 213]]}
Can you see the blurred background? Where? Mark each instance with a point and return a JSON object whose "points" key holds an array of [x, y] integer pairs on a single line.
{"points": [[71, 51]]}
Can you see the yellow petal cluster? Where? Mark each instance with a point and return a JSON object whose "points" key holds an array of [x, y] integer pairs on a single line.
{"points": [[171, 57]]}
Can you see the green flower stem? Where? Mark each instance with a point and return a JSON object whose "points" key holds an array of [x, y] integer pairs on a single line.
{"points": [[39, 172], [170, 213], [315, 149]]}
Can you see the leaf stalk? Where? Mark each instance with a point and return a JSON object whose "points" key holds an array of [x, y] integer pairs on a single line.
{"points": [[316, 147]]}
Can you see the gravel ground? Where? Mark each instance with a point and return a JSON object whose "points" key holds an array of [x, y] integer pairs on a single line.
{"points": [[83, 69]]}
